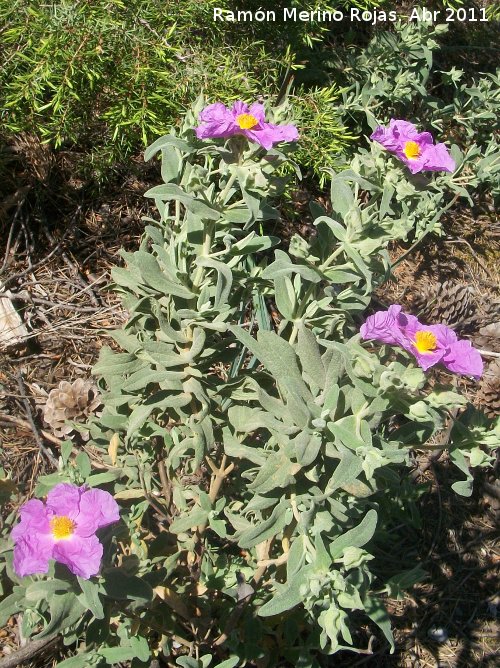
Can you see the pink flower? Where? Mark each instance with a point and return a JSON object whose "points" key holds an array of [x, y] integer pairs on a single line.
{"points": [[388, 326], [416, 149], [217, 121], [430, 344], [63, 529]]}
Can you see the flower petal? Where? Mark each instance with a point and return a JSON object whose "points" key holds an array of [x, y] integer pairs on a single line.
{"points": [[32, 553], [427, 359], [240, 107], [386, 138], [431, 157], [285, 132], [64, 499], [81, 555], [216, 122], [257, 111], [219, 122], [387, 326], [260, 136], [379, 326], [215, 112], [397, 328], [445, 335], [405, 322], [415, 165], [463, 358], [437, 158], [401, 128], [34, 519], [97, 509], [272, 134]]}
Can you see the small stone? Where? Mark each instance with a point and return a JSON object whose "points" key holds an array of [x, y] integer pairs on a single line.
{"points": [[438, 634], [493, 605]]}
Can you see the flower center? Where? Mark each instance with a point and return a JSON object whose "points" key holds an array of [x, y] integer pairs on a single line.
{"points": [[425, 342], [411, 150], [62, 527], [246, 121]]}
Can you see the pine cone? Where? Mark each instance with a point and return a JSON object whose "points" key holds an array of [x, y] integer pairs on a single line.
{"points": [[70, 401], [489, 394], [446, 303], [489, 337]]}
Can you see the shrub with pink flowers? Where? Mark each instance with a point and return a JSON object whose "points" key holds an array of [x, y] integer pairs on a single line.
{"points": [[259, 416]]}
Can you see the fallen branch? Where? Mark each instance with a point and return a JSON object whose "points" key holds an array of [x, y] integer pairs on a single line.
{"points": [[488, 353], [24, 424], [45, 451], [28, 652]]}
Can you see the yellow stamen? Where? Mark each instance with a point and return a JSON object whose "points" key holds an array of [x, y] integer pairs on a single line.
{"points": [[246, 121], [411, 150], [62, 527], [425, 342]]}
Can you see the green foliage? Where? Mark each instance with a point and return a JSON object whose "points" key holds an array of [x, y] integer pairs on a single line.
{"points": [[398, 67], [107, 76], [242, 444], [493, 11], [395, 77], [321, 129]]}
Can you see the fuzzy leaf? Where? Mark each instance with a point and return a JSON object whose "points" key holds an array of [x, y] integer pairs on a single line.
{"points": [[196, 517], [284, 600], [120, 586], [233, 448], [344, 431], [283, 266], [347, 470], [165, 141], [296, 557], [377, 612], [307, 447], [277, 472], [170, 191], [280, 359], [77, 661], [90, 597], [65, 610], [357, 537], [310, 357], [155, 277], [284, 295], [224, 279], [274, 524], [137, 418], [12, 604], [341, 195], [116, 364]]}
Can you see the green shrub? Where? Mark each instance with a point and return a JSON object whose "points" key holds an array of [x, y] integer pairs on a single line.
{"points": [[257, 445], [108, 76], [395, 76]]}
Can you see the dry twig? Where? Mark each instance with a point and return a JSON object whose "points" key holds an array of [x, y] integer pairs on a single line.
{"points": [[28, 652], [34, 428]]}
